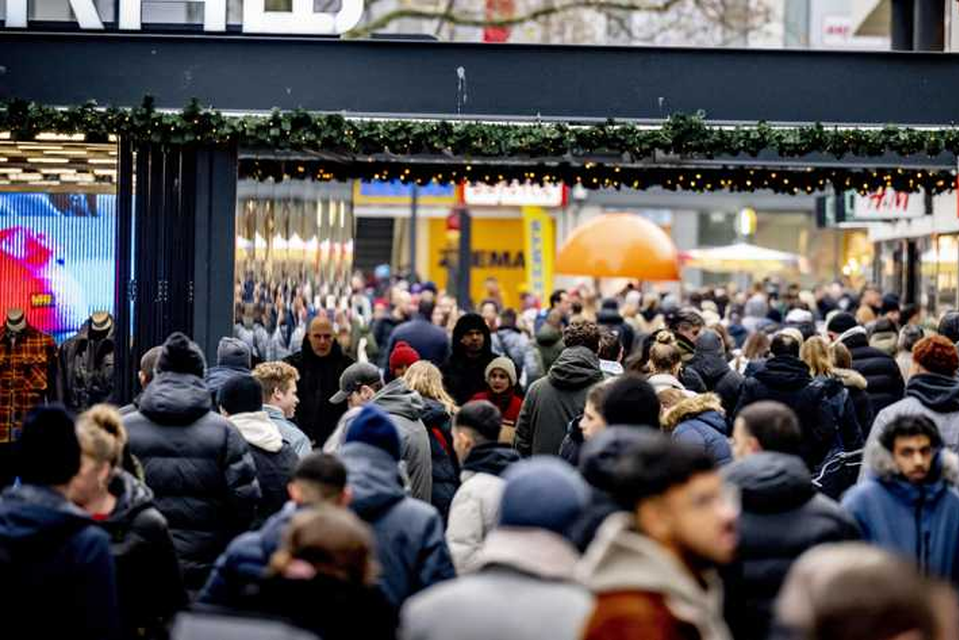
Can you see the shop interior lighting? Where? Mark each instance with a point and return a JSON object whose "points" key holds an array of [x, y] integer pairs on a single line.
{"points": [[79, 137], [27, 146], [65, 152], [26, 176], [11, 170], [105, 172], [58, 170], [47, 160], [101, 161]]}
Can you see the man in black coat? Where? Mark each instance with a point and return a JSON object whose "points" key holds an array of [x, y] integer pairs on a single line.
{"points": [[883, 376], [429, 340], [197, 464], [782, 515], [786, 379], [464, 374], [320, 364]]}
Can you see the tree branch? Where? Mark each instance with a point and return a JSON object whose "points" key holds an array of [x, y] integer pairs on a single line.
{"points": [[540, 12]]}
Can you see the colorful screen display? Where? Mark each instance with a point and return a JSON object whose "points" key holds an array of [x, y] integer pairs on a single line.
{"points": [[57, 253]]}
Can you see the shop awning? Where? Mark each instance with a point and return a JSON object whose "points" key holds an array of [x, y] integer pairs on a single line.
{"points": [[740, 256], [619, 245]]}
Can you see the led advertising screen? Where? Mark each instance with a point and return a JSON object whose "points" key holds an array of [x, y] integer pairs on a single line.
{"points": [[57, 254]]}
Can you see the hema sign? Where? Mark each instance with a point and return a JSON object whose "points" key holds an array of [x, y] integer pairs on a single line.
{"points": [[302, 20]]}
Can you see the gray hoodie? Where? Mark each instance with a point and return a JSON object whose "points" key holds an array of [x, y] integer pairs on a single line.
{"points": [[404, 407], [621, 559]]}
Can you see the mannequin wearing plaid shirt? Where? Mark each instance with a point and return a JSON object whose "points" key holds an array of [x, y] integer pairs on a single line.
{"points": [[27, 375]]}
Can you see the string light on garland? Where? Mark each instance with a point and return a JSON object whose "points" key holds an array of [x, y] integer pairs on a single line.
{"points": [[364, 143]]}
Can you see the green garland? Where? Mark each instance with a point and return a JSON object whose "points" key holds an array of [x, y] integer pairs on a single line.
{"points": [[598, 155]]}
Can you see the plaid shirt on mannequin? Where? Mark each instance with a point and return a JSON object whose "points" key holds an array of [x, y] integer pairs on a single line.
{"points": [[27, 375]]}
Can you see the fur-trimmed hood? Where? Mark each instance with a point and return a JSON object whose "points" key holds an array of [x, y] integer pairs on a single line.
{"points": [[690, 408], [879, 463], [851, 378]]}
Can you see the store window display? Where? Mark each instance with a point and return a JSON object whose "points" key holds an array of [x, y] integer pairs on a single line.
{"points": [[85, 364], [28, 363]]}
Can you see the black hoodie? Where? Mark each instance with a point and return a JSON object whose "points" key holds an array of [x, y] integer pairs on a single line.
{"points": [[149, 584], [782, 516], [492, 458], [464, 376], [937, 392], [319, 381]]}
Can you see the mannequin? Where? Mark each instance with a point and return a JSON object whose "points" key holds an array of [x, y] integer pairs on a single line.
{"points": [[28, 361], [16, 320], [86, 364]]}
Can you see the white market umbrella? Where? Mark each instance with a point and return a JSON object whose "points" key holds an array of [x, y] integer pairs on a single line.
{"points": [[741, 256]]}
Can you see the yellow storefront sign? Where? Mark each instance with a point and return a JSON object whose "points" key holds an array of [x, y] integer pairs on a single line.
{"points": [[539, 248]]}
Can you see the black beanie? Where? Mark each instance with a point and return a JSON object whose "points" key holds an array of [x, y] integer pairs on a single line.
{"points": [[841, 323], [49, 452], [181, 355], [240, 394]]}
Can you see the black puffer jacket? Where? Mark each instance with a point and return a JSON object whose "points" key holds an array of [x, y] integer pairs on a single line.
{"points": [[882, 374], [446, 475], [149, 585], [463, 376], [199, 468], [719, 378], [597, 464], [782, 516], [553, 401], [319, 380]]}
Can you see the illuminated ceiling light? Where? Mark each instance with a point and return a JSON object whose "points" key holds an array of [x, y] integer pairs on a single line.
{"points": [[27, 176], [48, 160], [2, 159], [101, 161], [60, 136], [58, 170], [11, 170], [43, 183], [29, 146], [105, 172], [66, 152], [4, 135]]}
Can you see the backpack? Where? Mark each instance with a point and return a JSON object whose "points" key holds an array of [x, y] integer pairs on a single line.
{"points": [[838, 468]]}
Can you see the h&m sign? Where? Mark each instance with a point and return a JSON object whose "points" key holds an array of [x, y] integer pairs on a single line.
{"points": [[302, 20]]}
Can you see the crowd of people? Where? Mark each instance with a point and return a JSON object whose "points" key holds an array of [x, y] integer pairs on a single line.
{"points": [[767, 464]]}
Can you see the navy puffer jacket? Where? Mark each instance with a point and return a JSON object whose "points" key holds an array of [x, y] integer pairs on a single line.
{"points": [[700, 422], [446, 478], [199, 468], [882, 374]]}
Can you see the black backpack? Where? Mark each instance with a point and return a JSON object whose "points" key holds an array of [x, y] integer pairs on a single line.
{"points": [[839, 467]]}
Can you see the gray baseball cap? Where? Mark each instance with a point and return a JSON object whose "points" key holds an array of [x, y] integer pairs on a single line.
{"points": [[355, 376]]}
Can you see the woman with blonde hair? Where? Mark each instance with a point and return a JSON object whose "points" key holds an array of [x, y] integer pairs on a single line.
{"points": [[425, 378], [149, 585]]}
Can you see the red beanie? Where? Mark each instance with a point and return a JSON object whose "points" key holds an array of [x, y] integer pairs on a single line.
{"points": [[403, 356]]}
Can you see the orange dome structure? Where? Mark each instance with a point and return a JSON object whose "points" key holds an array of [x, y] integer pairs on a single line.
{"points": [[620, 245]]}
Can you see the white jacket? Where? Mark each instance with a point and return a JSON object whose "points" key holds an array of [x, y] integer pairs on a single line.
{"points": [[473, 514]]}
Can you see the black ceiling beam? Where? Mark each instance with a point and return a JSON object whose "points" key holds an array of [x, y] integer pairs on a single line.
{"points": [[402, 78]]}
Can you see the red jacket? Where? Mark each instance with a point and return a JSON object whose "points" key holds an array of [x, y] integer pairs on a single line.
{"points": [[509, 400]]}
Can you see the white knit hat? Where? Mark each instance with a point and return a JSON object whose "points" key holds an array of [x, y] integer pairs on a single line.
{"points": [[506, 365]]}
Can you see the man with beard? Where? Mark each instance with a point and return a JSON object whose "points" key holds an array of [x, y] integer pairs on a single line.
{"points": [[652, 568], [320, 363]]}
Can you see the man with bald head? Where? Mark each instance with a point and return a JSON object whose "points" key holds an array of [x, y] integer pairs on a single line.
{"points": [[319, 363]]}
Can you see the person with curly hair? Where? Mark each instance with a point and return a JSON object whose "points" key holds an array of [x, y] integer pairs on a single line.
{"points": [[560, 396], [932, 391]]}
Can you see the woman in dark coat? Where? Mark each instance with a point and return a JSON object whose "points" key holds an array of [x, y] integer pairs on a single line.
{"points": [[149, 586], [425, 378], [322, 579]]}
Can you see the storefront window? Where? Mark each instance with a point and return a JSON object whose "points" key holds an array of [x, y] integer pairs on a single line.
{"points": [[58, 215], [294, 254], [947, 285]]}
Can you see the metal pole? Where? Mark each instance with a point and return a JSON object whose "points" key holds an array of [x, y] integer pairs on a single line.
{"points": [[902, 19], [414, 210], [465, 260], [929, 27]]}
